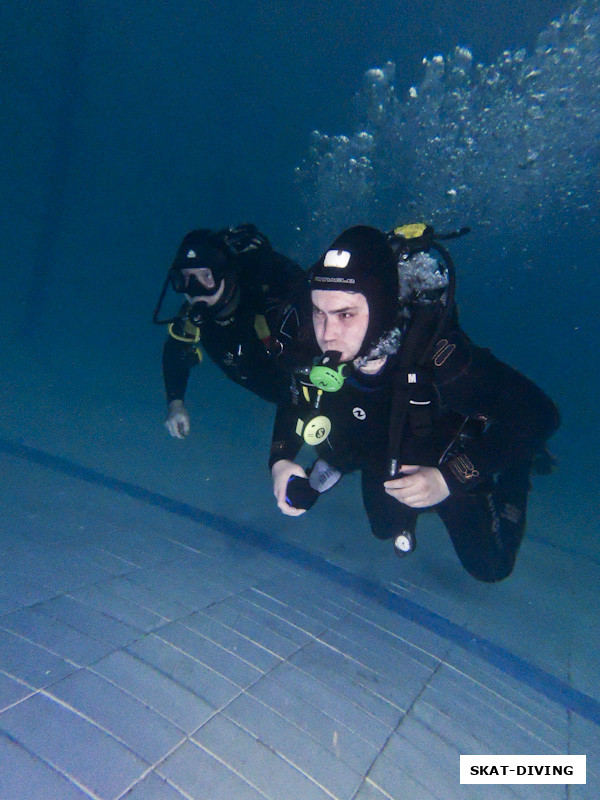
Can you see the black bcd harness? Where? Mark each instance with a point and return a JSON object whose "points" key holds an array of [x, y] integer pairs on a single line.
{"points": [[413, 390]]}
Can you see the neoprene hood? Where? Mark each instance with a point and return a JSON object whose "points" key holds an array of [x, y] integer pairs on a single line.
{"points": [[200, 249], [361, 260]]}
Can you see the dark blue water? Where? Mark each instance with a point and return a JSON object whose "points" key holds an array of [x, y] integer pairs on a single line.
{"points": [[135, 121], [126, 124]]}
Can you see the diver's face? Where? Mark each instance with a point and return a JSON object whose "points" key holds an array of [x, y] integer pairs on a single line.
{"points": [[203, 274], [205, 278], [340, 320]]}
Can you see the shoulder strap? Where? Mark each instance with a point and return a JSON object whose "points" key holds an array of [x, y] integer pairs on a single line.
{"points": [[412, 389]]}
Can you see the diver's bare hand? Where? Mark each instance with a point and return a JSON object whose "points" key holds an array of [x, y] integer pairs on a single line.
{"points": [[420, 487], [281, 472], [178, 419]]}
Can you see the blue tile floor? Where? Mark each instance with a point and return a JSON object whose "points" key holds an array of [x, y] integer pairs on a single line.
{"points": [[153, 650]]}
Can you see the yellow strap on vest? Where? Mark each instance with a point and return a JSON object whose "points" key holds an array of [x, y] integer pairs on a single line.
{"points": [[261, 327], [191, 335]]}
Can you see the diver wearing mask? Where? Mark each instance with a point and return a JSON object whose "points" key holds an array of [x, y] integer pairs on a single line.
{"points": [[235, 287]]}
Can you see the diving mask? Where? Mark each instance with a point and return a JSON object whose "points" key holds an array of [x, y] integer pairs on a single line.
{"points": [[192, 285]]}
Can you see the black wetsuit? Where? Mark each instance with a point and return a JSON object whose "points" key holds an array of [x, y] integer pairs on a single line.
{"points": [[488, 421], [245, 338]]}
